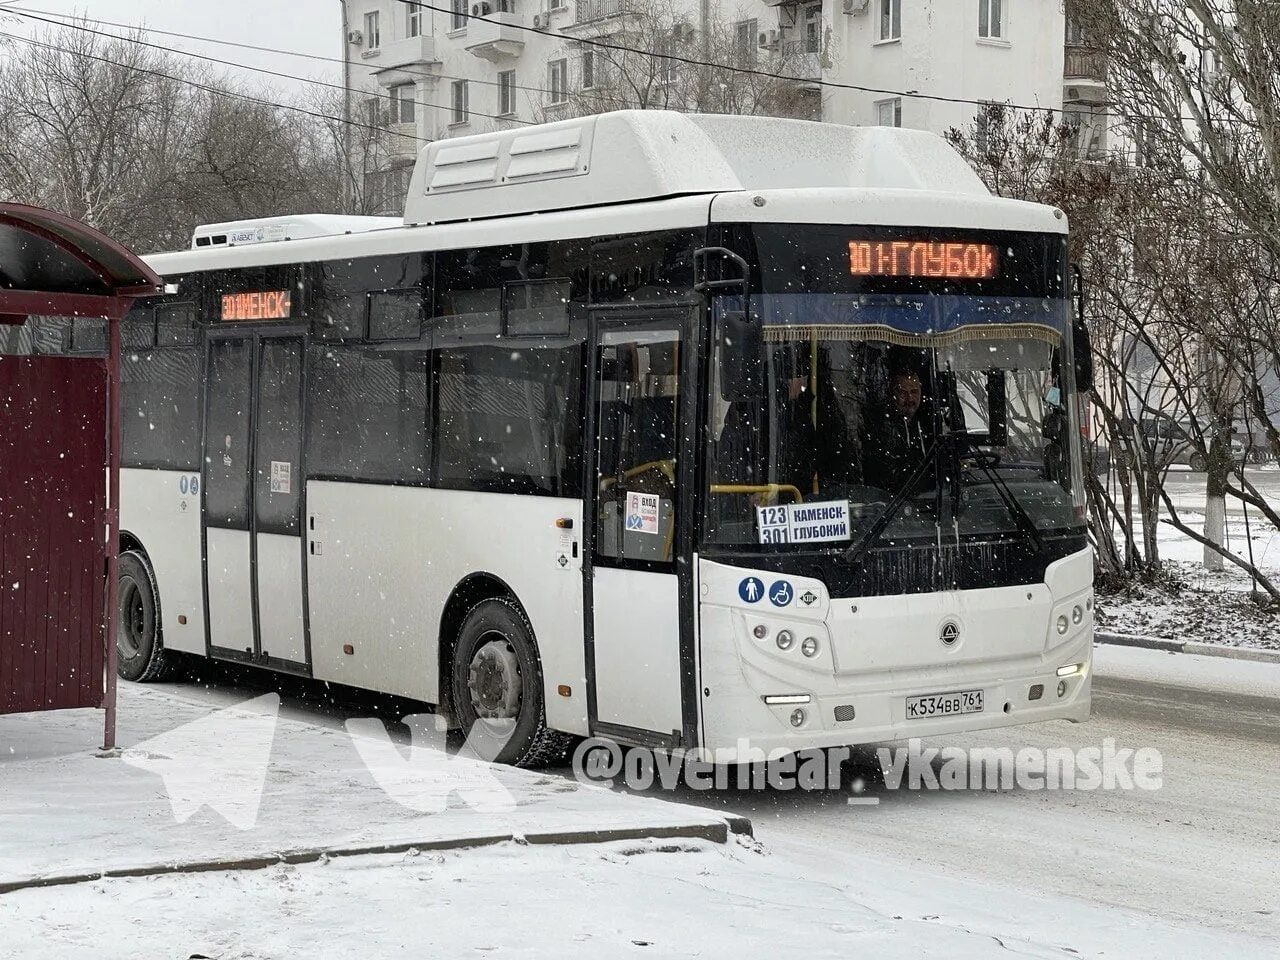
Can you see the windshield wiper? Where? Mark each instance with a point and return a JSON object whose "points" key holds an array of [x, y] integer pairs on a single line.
{"points": [[1016, 509], [856, 550]]}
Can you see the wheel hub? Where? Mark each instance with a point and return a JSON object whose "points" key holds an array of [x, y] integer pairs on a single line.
{"points": [[493, 680], [133, 618]]}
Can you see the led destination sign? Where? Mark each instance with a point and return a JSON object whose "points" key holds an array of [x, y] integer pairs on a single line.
{"points": [[922, 258], [264, 305]]}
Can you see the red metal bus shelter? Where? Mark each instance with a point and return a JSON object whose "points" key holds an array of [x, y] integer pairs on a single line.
{"points": [[60, 467]]}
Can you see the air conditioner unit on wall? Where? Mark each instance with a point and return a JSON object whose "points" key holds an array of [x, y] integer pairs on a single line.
{"points": [[355, 36], [682, 32], [769, 40], [539, 21], [481, 9], [855, 7]]}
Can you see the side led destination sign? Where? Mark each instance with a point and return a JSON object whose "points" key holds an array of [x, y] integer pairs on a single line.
{"points": [[264, 305], [922, 258]]}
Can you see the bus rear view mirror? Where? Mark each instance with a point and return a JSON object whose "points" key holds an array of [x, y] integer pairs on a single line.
{"points": [[741, 356]]}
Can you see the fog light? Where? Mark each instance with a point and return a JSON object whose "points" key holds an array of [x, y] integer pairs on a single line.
{"points": [[760, 631], [1076, 614], [810, 647], [1070, 669], [1062, 688], [797, 718], [1063, 624], [785, 640]]}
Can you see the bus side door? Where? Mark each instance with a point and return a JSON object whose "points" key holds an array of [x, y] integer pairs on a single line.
{"points": [[634, 654]]}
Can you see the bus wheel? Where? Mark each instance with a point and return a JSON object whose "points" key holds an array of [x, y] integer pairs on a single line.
{"points": [[140, 654], [497, 687]]}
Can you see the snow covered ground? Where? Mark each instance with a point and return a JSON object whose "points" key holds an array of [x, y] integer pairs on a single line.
{"points": [[644, 899], [1195, 604], [1185, 872]]}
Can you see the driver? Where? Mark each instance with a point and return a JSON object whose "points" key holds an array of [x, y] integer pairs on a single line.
{"points": [[898, 439]]}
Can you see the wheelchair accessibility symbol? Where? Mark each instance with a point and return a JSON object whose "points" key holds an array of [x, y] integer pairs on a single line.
{"points": [[780, 593]]}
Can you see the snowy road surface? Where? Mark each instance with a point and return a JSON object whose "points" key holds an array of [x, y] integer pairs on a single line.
{"points": [[1202, 850], [1189, 870]]}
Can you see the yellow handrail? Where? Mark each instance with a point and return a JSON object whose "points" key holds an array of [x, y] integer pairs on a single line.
{"points": [[773, 489], [666, 467]]}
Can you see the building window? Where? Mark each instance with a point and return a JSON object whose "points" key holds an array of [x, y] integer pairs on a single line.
{"points": [[890, 19], [403, 103], [746, 37], [458, 15], [588, 69], [558, 80], [413, 21], [460, 98], [889, 112], [506, 92], [372, 30], [373, 112], [813, 29], [667, 67], [991, 19]]}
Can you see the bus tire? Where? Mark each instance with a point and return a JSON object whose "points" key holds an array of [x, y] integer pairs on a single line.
{"points": [[496, 674], [140, 652]]}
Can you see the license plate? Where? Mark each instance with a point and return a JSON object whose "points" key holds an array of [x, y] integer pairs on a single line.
{"points": [[944, 704]]}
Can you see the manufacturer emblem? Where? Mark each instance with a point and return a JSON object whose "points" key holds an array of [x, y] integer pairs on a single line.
{"points": [[808, 598], [949, 633]]}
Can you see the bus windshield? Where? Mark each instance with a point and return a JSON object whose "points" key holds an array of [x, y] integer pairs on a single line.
{"points": [[908, 416]]}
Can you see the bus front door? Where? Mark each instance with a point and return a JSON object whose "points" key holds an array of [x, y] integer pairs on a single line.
{"points": [[635, 649], [253, 500]]}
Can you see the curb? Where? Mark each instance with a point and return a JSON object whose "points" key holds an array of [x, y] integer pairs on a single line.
{"points": [[1255, 654], [716, 831]]}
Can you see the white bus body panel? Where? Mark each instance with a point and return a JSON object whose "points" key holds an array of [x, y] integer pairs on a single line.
{"points": [[386, 559], [280, 623], [874, 652], [230, 589], [163, 513], [636, 640]]}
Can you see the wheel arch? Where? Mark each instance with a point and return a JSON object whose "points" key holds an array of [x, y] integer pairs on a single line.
{"points": [[470, 590], [130, 541]]}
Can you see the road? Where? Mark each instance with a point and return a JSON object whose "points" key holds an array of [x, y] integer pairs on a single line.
{"points": [[1186, 489], [1203, 850]]}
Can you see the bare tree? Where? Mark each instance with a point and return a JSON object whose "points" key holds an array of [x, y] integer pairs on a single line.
{"points": [[655, 58]]}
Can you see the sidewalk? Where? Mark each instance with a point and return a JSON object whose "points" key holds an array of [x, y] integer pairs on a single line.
{"points": [[203, 783]]}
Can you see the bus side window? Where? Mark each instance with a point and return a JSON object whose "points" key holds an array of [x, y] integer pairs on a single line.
{"points": [[636, 440]]}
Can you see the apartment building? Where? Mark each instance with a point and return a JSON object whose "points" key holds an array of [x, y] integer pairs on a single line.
{"points": [[452, 67]]}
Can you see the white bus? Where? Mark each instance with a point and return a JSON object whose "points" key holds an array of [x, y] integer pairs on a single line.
{"points": [[678, 430]]}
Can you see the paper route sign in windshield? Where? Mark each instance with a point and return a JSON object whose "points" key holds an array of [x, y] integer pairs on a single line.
{"points": [[803, 522]]}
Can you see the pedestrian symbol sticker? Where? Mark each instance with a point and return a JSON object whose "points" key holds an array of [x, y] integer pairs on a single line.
{"points": [[751, 589], [780, 593]]}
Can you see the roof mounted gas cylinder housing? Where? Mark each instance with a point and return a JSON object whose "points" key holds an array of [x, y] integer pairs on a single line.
{"points": [[633, 155], [271, 229]]}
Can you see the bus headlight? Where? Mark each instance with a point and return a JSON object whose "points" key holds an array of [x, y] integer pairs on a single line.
{"points": [[797, 717], [760, 631], [1077, 614], [785, 639], [810, 647], [1063, 624]]}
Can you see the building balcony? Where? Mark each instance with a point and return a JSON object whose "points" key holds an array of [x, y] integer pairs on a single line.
{"points": [[595, 11], [403, 61], [795, 62], [1084, 71], [497, 36]]}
